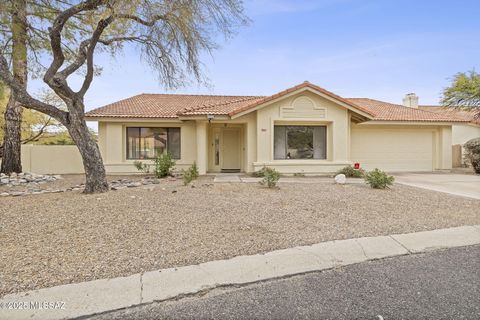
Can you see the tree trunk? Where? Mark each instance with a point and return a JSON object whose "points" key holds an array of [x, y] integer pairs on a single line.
{"points": [[11, 160], [96, 179]]}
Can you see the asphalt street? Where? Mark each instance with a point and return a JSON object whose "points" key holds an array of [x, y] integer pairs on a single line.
{"points": [[443, 284]]}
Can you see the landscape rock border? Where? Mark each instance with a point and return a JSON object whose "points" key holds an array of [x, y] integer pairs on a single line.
{"points": [[33, 183]]}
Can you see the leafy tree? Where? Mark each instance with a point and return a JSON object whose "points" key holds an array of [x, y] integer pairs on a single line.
{"points": [[34, 124], [24, 39], [170, 34], [463, 92]]}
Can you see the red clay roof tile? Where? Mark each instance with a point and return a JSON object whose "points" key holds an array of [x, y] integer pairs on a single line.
{"points": [[469, 115], [174, 105]]}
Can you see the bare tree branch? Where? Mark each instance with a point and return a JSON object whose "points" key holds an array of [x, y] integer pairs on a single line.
{"points": [[55, 80], [39, 133], [102, 24], [147, 23], [26, 99]]}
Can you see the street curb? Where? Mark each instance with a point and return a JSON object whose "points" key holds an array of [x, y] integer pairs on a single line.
{"points": [[98, 296]]}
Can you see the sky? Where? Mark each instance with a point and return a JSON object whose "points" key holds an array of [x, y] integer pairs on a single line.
{"points": [[380, 49]]}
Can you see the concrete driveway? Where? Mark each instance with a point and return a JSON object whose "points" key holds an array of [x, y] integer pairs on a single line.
{"points": [[457, 184]]}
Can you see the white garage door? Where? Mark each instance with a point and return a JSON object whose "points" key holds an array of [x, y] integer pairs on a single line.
{"points": [[393, 150]]}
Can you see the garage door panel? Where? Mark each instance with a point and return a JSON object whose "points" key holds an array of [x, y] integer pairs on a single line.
{"points": [[393, 150]]}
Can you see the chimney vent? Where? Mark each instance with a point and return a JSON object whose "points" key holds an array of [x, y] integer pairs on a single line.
{"points": [[411, 100]]}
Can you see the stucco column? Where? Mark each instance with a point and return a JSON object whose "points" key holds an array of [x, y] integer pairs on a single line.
{"points": [[202, 147], [114, 150], [446, 148], [251, 145]]}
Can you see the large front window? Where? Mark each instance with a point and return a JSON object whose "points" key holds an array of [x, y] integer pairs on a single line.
{"points": [[300, 142], [146, 143]]}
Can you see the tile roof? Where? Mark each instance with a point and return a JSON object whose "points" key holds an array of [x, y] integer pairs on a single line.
{"points": [[221, 107], [464, 114], [385, 111], [175, 105], [148, 105], [305, 84]]}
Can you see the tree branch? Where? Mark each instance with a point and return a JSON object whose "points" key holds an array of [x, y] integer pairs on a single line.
{"points": [[82, 53], [102, 24], [148, 23], [78, 62], [40, 132], [27, 101], [56, 81]]}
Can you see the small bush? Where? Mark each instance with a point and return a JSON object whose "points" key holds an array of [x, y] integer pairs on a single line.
{"points": [[351, 172], [378, 179], [472, 153], [187, 176], [260, 173], [190, 174], [270, 177], [194, 170], [145, 168], [163, 164]]}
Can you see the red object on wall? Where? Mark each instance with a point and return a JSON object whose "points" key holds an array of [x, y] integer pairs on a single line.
{"points": [[356, 166]]}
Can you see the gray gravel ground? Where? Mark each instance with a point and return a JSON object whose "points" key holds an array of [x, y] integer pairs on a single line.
{"points": [[54, 239], [438, 285]]}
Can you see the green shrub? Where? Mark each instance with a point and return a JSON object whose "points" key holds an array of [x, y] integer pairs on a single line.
{"points": [[351, 172], [145, 168], [472, 153], [260, 173], [378, 179], [190, 174], [270, 177], [194, 170], [163, 164], [187, 176]]}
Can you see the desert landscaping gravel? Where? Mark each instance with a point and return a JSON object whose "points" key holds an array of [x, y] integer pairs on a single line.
{"points": [[59, 238]]}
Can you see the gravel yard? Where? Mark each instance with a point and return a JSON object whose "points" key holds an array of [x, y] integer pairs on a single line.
{"points": [[58, 238]]}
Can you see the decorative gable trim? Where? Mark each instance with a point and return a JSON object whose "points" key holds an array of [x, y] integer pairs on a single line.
{"points": [[303, 107]]}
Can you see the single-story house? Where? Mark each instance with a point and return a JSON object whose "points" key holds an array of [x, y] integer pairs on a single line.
{"points": [[304, 129]]}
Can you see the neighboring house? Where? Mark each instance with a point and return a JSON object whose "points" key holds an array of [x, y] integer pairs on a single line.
{"points": [[304, 129], [461, 132]]}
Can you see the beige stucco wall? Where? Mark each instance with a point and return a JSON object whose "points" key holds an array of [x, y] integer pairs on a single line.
{"points": [[305, 108], [460, 135], [44, 159], [401, 147], [463, 133]]}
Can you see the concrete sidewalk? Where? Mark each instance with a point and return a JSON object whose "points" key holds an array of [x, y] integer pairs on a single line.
{"points": [[81, 299]]}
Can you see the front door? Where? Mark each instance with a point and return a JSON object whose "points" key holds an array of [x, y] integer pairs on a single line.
{"points": [[231, 149]]}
